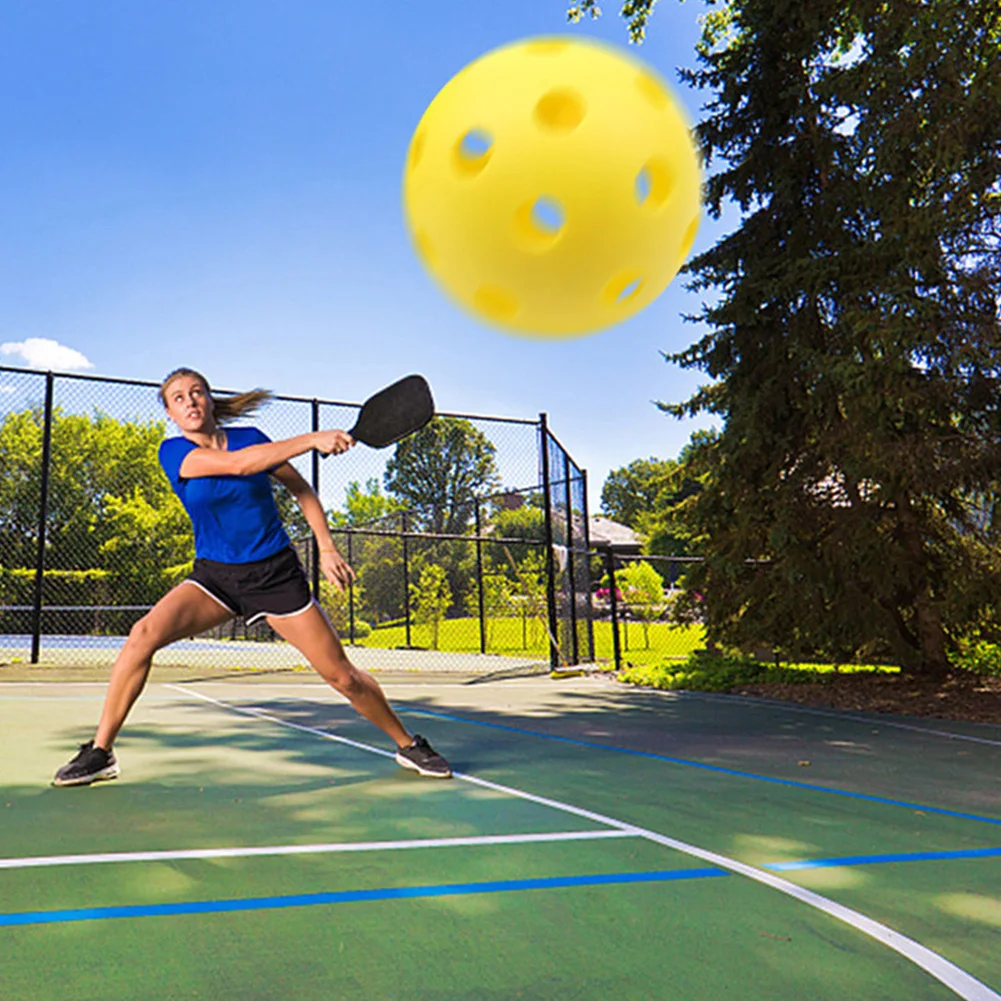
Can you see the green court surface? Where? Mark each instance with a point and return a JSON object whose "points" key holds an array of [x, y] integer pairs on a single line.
{"points": [[597, 842]]}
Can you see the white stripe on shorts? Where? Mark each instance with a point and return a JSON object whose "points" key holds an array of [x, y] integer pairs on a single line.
{"points": [[214, 597], [257, 616]]}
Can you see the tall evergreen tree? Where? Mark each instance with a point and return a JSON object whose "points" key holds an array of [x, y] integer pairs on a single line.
{"points": [[854, 337]]}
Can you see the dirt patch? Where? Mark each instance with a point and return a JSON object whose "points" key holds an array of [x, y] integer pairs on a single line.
{"points": [[959, 696]]}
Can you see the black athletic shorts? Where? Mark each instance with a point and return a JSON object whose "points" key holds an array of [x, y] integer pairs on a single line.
{"points": [[275, 586]]}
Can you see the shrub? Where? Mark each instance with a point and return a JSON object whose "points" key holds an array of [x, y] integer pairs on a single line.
{"points": [[978, 656], [706, 672]]}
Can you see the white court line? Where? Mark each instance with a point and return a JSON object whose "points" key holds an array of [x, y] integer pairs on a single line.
{"points": [[947, 973], [38, 861]]}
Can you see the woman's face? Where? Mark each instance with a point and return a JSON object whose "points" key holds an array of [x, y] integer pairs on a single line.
{"points": [[189, 404]]}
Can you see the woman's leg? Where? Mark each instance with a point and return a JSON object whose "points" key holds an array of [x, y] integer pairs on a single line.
{"points": [[312, 634], [185, 611]]}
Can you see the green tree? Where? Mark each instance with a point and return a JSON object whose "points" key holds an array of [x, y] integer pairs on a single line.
{"points": [[290, 513], [525, 522], [109, 504], [335, 603], [529, 596], [635, 490], [377, 560], [643, 590], [644, 495], [853, 338], [439, 472], [635, 12], [146, 537], [437, 475], [498, 592], [364, 507], [380, 573], [430, 599]]}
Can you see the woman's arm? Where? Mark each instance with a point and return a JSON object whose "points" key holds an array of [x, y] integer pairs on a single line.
{"points": [[259, 458], [335, 568]]}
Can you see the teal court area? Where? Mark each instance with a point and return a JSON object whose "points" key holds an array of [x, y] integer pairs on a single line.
{"points": [[597, 842]]}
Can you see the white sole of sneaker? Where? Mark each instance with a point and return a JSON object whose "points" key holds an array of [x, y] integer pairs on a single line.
{"points": [[111, 772], [407, 763]]}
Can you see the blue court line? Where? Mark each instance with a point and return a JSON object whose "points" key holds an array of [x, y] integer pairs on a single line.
{"points": [[792, 783], [351, 896], [828, 863]]}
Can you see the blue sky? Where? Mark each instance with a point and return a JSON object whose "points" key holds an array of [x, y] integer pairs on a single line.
{"points": [[217, 184]]}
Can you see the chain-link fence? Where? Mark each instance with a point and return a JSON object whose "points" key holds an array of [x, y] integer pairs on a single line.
{"points": [[634, 614], [472, 546]]}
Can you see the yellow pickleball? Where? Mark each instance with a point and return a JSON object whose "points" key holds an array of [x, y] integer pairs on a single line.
{"points": [[552, 187]]}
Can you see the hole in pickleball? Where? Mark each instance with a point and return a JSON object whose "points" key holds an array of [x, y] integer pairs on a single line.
{"points": [[642, 186], [630, 290], [538, 224], [416, 149], [548, 215], [475, 144], [622, 288], [473, 151], [689, 239], [560, 110], [654, 183], [495, 303], [545, 47]]}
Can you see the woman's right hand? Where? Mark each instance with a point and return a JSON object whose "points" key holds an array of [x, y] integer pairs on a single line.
{"points": [[332, 442]]}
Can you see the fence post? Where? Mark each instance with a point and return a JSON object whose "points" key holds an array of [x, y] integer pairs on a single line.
{"points": [[43, 517], [479, 579], [316, 487], [613, 607], [351, 590], [575, 655], [554, 654], [406, 578], [586, 549]]}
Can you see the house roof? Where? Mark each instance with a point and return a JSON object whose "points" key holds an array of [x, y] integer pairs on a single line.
{"points": [[605, 532]]}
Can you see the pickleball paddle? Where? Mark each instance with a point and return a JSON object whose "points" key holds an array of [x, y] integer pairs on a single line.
{"points": [[394, 412]]}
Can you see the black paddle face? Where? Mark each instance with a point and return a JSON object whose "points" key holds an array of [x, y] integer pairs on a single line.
{"points": [[394, 412]]}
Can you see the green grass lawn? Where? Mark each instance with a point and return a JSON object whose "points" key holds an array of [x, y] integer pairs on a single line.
{"points": [[720, 673], [515, 637]]}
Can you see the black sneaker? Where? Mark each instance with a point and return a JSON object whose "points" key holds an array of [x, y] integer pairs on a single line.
{"points": [[91, 764], [422, 758]]}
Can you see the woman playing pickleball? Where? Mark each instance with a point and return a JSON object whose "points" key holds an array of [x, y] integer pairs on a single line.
{"points": [[244, 565]]}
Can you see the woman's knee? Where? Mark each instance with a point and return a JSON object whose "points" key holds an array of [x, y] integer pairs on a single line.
{"points": [[346, 678], [143, 637]]}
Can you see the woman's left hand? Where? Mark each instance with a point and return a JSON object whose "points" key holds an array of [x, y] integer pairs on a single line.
{"points": [[336, 569]]}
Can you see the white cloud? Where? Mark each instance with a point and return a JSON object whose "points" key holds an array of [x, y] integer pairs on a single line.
{"points": [[43, 352]]}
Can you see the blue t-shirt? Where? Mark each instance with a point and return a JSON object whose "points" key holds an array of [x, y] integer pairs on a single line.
{"points": [[234, 517]]}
